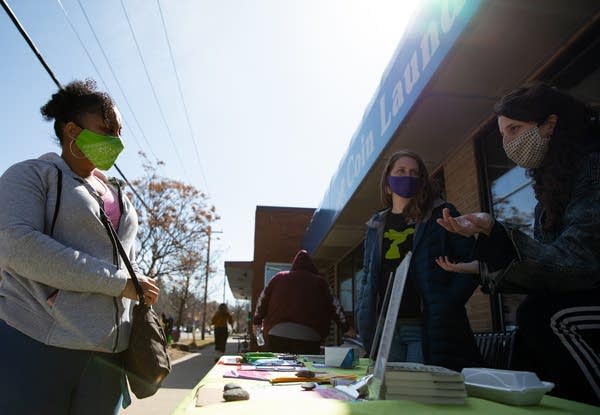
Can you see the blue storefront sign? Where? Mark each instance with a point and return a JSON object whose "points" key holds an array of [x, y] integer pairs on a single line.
{"points": [[427, 41]]}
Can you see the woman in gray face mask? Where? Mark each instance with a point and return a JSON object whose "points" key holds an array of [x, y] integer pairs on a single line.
{"points": [[557, 138]]}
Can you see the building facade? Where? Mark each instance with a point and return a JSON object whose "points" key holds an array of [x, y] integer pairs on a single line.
{"points": [[456, 59]]}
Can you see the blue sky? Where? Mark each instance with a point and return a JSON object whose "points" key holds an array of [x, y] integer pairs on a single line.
{"points": [[274, 91]]}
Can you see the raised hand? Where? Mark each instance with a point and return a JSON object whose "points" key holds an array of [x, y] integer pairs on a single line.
{"points": [[467, 225], [461, 267]]}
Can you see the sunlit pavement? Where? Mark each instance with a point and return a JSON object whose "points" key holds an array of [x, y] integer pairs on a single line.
{"points": [[185, 374]]}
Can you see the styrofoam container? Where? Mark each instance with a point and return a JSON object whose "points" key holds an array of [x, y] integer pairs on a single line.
{"points": [[507, 386]]}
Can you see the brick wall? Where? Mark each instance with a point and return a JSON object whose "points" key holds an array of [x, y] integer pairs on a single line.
{"points": [[460, 175], [462, 190]]}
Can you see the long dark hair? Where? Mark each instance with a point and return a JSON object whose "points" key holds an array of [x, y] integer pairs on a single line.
{"points": [[420, 204], [574, 136]]}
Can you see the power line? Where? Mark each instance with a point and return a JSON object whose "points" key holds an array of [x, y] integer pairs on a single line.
{"points": [[187, 117], [30, 42], [81, 42], [27, 38], [25, 35], [112, 71], [160, 110], [105, 85]]}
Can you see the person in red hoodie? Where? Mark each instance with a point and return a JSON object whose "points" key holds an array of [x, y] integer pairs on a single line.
{"points": [[296, 307]]}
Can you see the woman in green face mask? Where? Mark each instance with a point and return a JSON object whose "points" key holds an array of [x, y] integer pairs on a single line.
{"points": [[65, 297]]}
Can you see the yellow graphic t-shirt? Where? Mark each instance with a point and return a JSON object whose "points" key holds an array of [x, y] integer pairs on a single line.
{"points": [[397, 241]]}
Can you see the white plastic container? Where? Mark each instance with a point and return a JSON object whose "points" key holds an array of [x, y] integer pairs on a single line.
{"points": [[507, 386]]}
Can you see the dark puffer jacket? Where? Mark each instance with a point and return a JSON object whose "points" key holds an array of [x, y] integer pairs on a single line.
{"points": [[567, 260], [447, 336], [299, 296]]}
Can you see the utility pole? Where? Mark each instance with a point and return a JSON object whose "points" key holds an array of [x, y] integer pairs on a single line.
{"points": [[209, 232]]}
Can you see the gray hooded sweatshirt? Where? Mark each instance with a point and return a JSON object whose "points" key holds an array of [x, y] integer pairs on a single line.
{"points": [[78, 266]]}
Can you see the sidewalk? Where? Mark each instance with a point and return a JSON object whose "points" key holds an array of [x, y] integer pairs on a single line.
{"points": [[185, 374]]}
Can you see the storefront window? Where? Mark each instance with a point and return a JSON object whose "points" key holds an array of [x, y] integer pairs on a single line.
{"points": [[349, 270], [513, 199], [438, 178], [513, 202], [346, 294], [272, 268], [357, 277]]}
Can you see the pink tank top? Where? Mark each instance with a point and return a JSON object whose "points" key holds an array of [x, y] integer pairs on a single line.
{"points": [[111, 207]]}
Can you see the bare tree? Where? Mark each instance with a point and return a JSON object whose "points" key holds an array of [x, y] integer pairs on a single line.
{"points": [[173, 219], [185, 287]]}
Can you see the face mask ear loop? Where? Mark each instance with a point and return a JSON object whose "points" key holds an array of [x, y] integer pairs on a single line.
{"points": [[71, 150]]}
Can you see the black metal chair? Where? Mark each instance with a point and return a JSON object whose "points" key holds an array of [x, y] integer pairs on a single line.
{"points": [[496, 348]]}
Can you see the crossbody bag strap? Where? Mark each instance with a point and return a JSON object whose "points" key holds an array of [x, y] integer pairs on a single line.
{"points": [[58, 195], [116, 241], [136, 283], [111, 231]]}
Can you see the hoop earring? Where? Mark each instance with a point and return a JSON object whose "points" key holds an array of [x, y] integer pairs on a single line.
{"points": [[71, 150]]}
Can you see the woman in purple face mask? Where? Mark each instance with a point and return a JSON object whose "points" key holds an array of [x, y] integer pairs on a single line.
{"points": [[432, 325]]}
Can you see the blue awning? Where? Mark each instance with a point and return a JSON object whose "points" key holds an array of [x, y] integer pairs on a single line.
{"points": [[426, 42]]}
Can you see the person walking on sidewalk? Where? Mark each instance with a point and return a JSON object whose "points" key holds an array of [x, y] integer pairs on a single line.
{"points": [[220, 321]]}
